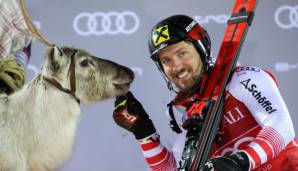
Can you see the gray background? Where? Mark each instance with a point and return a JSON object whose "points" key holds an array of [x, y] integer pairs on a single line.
{"points": [[100, 144]]}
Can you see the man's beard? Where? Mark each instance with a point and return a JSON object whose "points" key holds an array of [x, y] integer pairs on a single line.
{"points": [[194, 87]]}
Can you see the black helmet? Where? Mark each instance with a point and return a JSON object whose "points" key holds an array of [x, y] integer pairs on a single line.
{"points": [[177, 28]]}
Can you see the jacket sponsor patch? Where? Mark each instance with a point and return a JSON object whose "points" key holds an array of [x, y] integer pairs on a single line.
{"points": [[262, 100], [247, 68]]}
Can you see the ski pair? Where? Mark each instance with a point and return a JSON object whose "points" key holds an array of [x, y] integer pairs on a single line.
{"points": [[200, 139]]}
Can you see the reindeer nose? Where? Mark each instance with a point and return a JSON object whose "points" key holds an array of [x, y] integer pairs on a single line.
{"points": [[129, 72], [124, 76], [126, 73]]}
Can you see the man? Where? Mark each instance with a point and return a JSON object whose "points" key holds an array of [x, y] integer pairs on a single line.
{"points": [[256, 131]]}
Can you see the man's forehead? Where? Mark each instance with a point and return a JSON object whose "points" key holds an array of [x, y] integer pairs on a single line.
{"points": [[172, 49]]}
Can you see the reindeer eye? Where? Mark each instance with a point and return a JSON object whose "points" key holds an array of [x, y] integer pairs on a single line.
{"points": [[84, 63]]}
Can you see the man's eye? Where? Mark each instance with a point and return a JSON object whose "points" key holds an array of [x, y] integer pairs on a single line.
{"points": [[165, 62], [182, 53]]}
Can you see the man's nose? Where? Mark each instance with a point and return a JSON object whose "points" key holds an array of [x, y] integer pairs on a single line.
{"points": [[177, 64]]}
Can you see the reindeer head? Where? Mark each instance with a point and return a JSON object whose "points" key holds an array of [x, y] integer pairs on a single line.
{"points": [[86, 77]]}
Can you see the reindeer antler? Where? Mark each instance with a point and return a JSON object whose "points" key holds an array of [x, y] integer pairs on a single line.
{"points": [[34, 32]]}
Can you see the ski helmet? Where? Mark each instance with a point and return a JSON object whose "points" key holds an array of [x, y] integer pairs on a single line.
{"points": [[178, 28]]}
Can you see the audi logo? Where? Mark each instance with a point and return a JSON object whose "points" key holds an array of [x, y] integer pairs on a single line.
{"points": [[111, 23], [291, 16]]}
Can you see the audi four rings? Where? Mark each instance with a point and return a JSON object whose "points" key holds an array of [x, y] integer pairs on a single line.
{"points": [[111, 23], [292, 14]]}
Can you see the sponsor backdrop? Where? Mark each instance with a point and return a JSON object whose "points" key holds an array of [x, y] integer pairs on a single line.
{"points": [[118, 30]]}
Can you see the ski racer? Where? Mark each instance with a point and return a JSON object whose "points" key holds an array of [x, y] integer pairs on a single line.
{"points": [[256, 131]]}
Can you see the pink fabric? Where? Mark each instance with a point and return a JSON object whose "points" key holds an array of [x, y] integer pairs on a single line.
{"points": [[11, 39]]}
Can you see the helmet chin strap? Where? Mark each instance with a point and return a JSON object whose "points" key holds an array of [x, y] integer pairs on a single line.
{"points": [[169, 84], [173, 123]]}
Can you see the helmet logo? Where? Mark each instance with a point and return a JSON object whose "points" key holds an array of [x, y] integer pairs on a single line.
{"points": [[160, 35], [190, 26]]}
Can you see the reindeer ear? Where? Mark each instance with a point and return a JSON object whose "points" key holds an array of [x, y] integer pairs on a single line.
{"points": [[57, 59], [57, 52]]}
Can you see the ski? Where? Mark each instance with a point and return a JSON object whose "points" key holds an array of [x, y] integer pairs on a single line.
{"points": [[200, 139]]}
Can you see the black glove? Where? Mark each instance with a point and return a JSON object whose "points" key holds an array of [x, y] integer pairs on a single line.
{"points": [[130, 115], [235, 162]]}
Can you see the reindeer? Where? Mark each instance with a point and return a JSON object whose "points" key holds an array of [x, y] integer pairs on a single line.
{"points": [[38, 122]]}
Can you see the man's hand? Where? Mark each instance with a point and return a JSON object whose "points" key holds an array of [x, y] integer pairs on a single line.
{"points": [[235, 162], [130, 115]]}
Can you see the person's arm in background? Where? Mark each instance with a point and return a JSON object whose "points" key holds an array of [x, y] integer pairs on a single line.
{"points": [[130, 115], [12, 70], [15, 47], [22, 56]]}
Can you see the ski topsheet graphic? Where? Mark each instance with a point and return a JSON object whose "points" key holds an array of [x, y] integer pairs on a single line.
{"points": [[199, 140]]}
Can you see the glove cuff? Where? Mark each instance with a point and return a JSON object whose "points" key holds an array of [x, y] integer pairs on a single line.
{"points": [[154, 137], [143, 130]]}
